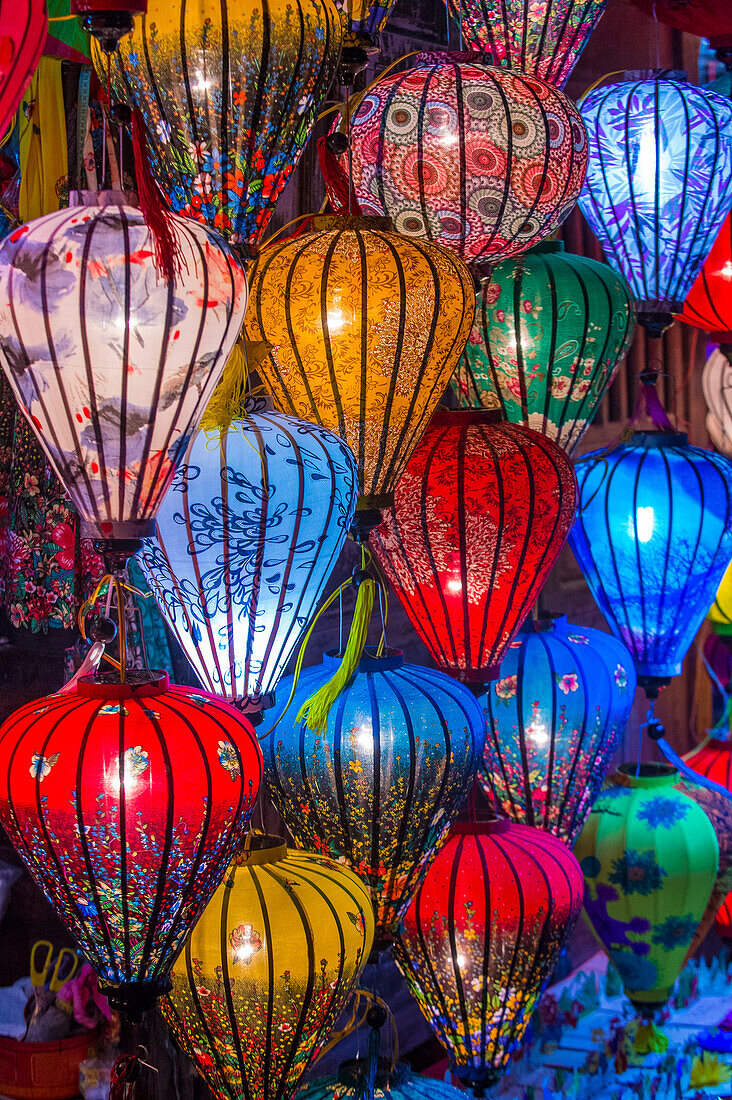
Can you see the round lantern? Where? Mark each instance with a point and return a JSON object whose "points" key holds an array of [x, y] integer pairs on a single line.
{"points": [[708, 304], [111, 363], [23, 30], [365, 328], [247, 538], [126, 803], [482, 937], [228, 94], [716, 382], [268, 969], [658, 186], [653, 537], [381, 784], [650, 857], [550, 330], [713, 759], [484, 161], [710, 19], [479, 516], [556, 716]]}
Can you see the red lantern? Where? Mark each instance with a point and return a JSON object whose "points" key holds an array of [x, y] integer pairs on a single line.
{"points": [[709, 302], [23, 31], [479, 516], [126, 802], [713, 759], [710, 19]]}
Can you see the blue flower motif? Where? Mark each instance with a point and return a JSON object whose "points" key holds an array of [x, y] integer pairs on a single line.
{"points": [[675, 932], [635, 972], [662, 813], [637, 872]]}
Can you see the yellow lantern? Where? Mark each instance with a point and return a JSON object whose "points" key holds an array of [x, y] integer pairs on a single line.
{"points": [[268, 969], [364, 327], [720, 613]]}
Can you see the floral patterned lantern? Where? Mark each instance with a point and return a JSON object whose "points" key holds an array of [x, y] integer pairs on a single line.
{"points": [[482, 937], [550, 330], [716, 385], [23, 30], [112, 363], [650, 858], [268, 969], [382, 783], [126, 803], [523, 154], [478, 519], [555, 717], [708, 304]]}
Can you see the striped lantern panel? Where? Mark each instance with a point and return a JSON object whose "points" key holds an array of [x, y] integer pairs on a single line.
{"points": [[708, 304], [23, 31]]}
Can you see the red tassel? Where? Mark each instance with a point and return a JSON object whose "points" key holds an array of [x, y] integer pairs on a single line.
{"points": [[337, 183], [168, 257], [123, 1076]]}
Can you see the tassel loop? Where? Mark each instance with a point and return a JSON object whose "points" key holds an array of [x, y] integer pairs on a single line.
{"points": [[168, 256]]}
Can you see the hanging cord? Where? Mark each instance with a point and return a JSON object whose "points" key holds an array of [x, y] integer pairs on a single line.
{"points": [[722, 726], [363, 1003], [657, 733], [126, 1070], [108, 585]]}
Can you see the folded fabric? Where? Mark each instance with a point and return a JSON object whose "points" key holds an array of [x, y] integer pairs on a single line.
{"points": [[13, 999], [82, 994]]}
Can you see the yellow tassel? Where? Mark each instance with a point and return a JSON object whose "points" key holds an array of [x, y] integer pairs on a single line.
{"points": [[229, 397]]}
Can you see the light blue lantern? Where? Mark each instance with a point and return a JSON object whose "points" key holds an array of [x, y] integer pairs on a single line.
{"points": [[653, 537], [247, 538]]}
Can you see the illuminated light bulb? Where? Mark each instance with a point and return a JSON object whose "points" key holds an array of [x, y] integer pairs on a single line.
{"points": [[644, 523]]}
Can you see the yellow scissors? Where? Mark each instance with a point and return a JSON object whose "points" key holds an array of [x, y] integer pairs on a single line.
{"points": [[40, 969]]}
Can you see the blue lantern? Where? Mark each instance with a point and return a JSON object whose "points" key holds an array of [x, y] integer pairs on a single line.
{"points": [[658, 184], [653, 538], [248, 535], [555, 715]]}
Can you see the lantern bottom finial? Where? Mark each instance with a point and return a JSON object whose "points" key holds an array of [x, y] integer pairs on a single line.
{"points": [[135, 998]]}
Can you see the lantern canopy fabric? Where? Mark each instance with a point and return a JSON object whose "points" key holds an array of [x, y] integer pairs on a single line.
{"points": [[268, 969], [247, 538], [653, 537], [478, 519], [710, 19], [708, 304], [713, 760], [555, 717], [381, 785], [111, 363], [659, 182], [521, 162], [482, 937], [23, 30], [716, 382], [549, 333], [126, 804]]}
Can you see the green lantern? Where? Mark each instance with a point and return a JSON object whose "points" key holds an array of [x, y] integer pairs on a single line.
{"points": [[549, 333], [650, 856]]}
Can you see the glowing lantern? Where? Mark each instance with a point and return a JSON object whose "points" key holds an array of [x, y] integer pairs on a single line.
{"points": [[550, 330], [478, 519], [708, 304], [716, 382], [713, 759], [482, 936], [126, 803], [521, 163], [653, 537], [111, 363], [555, 716], [268, 969], [23, 30], [720, 612], [382, 783]]}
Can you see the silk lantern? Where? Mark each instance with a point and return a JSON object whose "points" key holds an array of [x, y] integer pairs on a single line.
{"points": [[708, 304], [713, 760], [382, 783], [550, 330], [482, 937], [650, 859], [483, 161], [710, 19], [555, 717], [720, 613], [658, 185], [112, 363], [126, 803], [653, 537], [23, 30], [247, 538], [268, 969], [716, 381], [478, 519]]}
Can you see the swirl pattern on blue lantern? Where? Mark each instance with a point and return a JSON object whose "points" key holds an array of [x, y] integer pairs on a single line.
{"points": [[658, 183], [555, 716], [653, 537], [247, 538]]}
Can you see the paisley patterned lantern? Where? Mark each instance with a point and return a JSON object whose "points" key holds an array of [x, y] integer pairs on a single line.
{"points": [[550, 330], [708, 304], [247, 538], [381, 784], [268, 969], [23, 30], [523, 154], [650, 858], [111, 363], [556, 715], [482, 937], [126, 803], [478, 519], [716, 382]]}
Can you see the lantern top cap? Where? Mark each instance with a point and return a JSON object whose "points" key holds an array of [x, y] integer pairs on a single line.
{"points": [[481, 828], [659, 439], [392, 659], [547, 622], [259, 848], [89, 688], [649, 775], [680, 76]]}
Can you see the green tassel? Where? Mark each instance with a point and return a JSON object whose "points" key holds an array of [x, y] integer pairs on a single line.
{"points": [[228, 401]]}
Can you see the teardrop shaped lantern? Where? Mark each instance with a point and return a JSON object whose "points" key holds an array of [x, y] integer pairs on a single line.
{"points": [[716, 382], [23, 30], [483, 161], [550, 330], [556, 716], [653, 537], [482, 937], [708, 304], [126, 803], [268, 969], [380, 785], [658, 185], [112, 363], [479, 517], [650, 858], [247, 538]]}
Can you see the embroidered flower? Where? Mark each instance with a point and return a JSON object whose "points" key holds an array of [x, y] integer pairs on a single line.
{"points": [[662, 813], [568, 682], [621, 677], [579, 639], [637, 872], [41, 765], [229, 759], [507, 688], [675, 932], [245, 942], [137, 760], [164, 130]]}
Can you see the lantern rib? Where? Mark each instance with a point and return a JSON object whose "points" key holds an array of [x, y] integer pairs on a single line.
{"points": [[569, 829], [391, 679], [341, 800], [221, 1085], [424, 533], [454, 950], [463, 541], [123, 845], [518, 285], [226, 554], [486, 985], [552, 742], [233, 1028], [376, 786]]}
